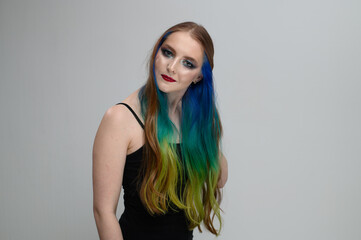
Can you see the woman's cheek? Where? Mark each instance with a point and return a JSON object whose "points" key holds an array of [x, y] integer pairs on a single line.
{"points": [[157, 62]]}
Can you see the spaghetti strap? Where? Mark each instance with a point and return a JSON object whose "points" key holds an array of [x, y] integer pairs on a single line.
{"points": [[134, 114]]}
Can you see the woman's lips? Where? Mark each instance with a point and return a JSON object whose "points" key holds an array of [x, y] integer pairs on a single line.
{"points": [[168, 79]]}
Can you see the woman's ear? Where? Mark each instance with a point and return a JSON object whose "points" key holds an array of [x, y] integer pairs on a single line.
{"points": [[199, 78]]}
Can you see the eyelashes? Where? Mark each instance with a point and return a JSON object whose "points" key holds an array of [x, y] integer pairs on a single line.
{"points": [[188, 64], [185, 62], [167, 53]]}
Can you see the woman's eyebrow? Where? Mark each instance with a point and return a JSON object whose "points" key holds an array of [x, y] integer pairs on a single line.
{"points": [[174, 51]]}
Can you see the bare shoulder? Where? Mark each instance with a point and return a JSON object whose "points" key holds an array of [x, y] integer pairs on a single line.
{"points": [[113, 126], [119, 120], [133, 101], [133, 128]]}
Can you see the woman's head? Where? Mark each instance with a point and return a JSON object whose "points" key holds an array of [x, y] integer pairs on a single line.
{"points": [[178, 64], [196, 42]]}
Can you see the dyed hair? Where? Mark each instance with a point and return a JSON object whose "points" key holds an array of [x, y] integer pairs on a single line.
{"points": [[197, 168]]}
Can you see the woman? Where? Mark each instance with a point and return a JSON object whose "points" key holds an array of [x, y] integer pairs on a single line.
{"points": [[162, 143]]}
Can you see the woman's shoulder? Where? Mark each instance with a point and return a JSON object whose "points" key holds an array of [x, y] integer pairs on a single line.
{"points": [[133, 102], [122, 115], [119, 112], [126, 118]]}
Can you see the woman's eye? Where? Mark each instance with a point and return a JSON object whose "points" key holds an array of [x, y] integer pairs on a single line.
{"points": [[188, 64], [166, 52]]}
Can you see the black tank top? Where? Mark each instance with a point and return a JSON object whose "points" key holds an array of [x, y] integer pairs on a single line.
{"points": [[135, 222]]}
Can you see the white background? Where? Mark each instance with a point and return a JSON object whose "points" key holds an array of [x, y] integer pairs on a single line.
{"points": [[287, 74]]}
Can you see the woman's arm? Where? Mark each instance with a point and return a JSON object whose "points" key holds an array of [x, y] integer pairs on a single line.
{"points": [[109, 153], [224, 171]]}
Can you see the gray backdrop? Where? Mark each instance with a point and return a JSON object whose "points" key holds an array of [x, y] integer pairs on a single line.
{"points": [[288, 81]]}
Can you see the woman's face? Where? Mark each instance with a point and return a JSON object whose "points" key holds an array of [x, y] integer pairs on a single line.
{"points": [[178, 63]]}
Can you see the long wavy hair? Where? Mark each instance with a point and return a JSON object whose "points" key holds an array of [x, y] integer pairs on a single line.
{"points": [[185, 180]]}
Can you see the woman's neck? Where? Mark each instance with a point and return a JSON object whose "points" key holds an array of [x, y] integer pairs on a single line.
{"points": [[174, 104], [175, 110]]}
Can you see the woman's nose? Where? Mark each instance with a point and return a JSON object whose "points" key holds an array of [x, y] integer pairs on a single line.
{"points": [[171, 66]]}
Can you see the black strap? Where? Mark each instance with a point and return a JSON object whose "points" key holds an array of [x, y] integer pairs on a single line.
{"points": [[134, 114]]}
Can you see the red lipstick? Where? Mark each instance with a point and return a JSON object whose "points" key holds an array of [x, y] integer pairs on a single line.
{"points": [[168, 79]]}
